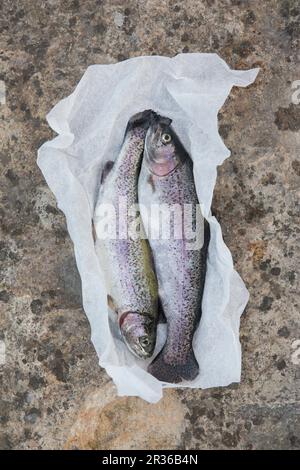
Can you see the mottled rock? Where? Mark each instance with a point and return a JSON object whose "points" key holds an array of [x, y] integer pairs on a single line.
{"points": [[49, 371], [288, 118], [106, 421]]}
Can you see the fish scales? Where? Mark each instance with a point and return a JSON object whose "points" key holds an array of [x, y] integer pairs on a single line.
{"points": [[167, 178], [127, 262]]}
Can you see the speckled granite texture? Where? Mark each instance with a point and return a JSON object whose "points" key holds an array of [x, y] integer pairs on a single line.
{"points": [[53, 394]]}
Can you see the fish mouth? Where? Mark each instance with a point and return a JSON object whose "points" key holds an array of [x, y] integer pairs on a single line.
{"points": [[138, 351]]}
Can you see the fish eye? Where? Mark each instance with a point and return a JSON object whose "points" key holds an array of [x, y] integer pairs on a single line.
{"points": [[166, 138]]}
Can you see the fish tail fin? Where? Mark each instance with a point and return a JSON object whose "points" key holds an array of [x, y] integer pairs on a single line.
{"points": [[141, 119], [174, 373]]}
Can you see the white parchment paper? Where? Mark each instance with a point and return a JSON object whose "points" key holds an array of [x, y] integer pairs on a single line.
{"points": [[90, 123]]}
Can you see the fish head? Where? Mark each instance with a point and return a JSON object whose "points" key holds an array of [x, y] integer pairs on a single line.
{"points": [[138, 333], [163, 151]]}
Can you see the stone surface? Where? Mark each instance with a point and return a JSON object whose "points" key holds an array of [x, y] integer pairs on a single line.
{"points": [[106, 421], [52, 389]]}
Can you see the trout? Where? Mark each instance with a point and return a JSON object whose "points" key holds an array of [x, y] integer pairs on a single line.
{"points": [[166, 180], [126, 259]]}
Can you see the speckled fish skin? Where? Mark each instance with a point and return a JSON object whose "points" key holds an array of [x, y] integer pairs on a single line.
{"points": [[167, 178], [127, 263]]}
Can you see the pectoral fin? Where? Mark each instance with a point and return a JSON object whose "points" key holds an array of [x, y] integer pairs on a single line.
{"points": [[94, 231], [111, 303], [161, 313], [106, 170]]}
